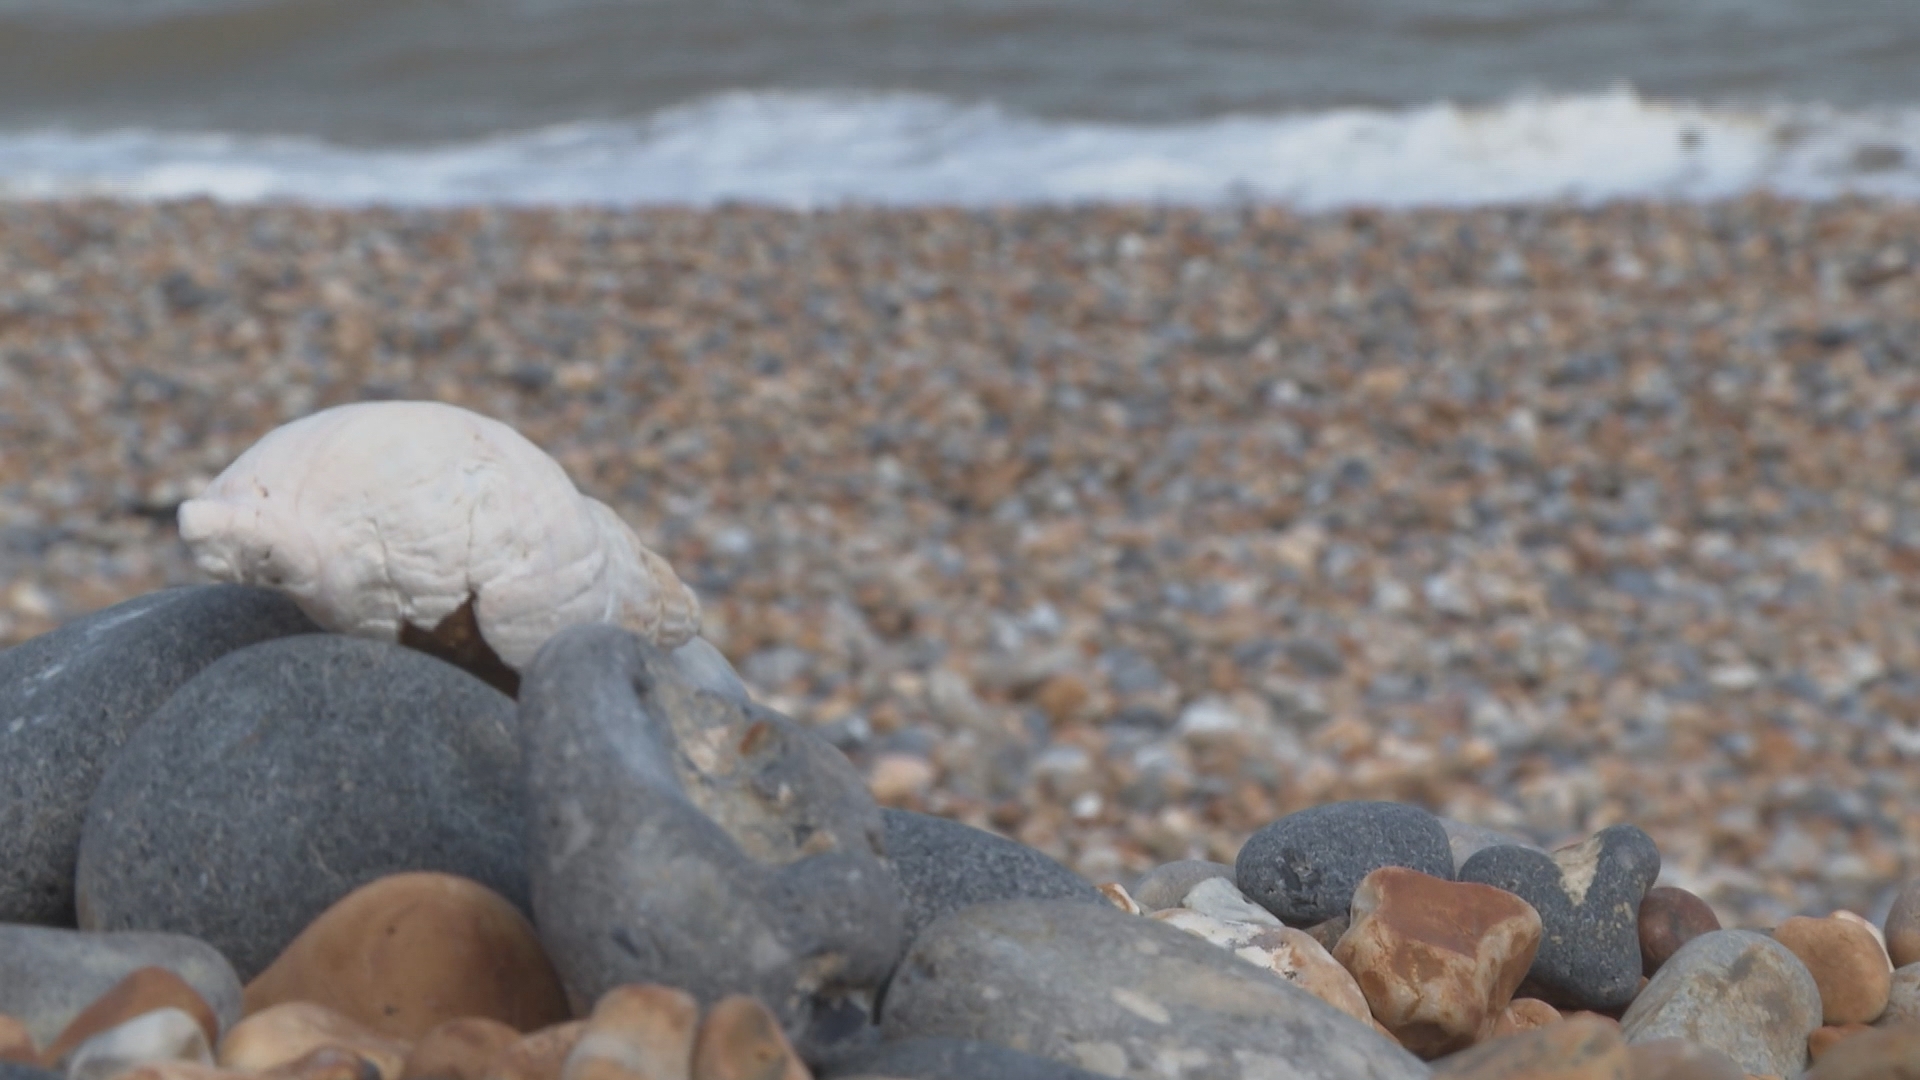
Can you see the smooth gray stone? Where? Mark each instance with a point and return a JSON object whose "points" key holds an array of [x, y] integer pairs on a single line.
{"points": [[1903, 998], [1305, 866], [1166, 885], [1736, 991], [704, 665], [48, 975], [14, 1071], [685, 838], [954, 1059], [945, 865], [1588, 896], [1125, 996], [288, 774], [69, 699], [1467, 840]]}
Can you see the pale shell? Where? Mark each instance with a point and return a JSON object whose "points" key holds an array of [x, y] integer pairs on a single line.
{"points": [[382, 514]]}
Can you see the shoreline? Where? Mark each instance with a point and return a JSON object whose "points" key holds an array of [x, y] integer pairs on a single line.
{"points": [[1121, 530]]}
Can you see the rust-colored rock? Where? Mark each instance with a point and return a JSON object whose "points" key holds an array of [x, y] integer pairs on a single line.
{"points": [[741, 1040], [142, 991], [1669, 918], [1847, 963], [282, 1034], [1881, 1054], [462, 1049], [1681, 1059], [1521, 1014], [1436, 959], [636, 1033], [538, 1055], [408, 952], [325, 1063], [1570, 1050]]}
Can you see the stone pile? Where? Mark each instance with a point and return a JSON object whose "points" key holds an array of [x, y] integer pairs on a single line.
{"points": [[240, 847]]}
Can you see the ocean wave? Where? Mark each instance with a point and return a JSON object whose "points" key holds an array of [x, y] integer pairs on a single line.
{"points": [[815, 150]]}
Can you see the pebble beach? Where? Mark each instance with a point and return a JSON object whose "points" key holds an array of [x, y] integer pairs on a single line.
{"points": [[1121, 531]]}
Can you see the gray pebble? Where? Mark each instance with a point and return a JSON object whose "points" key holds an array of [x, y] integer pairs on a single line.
{"points": [[945, 865], [1305, 866], [1166, 885], [48, 975], [70, 698], [288, 774], [1735, 991], [1903, 1000], [706, 668], [1467, 840], [953, 1059]]}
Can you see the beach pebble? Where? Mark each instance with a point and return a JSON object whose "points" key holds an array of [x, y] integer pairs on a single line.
{"points": [[48, 976], [1587, 896], [1883, 1054], [1465, 840], [538, 1055], [1903, 997], [1680, 1059], [408, 952], [778, 884], [740, 1039], [1669, 918], [462, 1049], [1125, 996], [1289, 953], [1580, 1049], [142, 991], [1521, 1014], [952, 1059], [945, 865], [706, 668], [1736, 991], [280, 1034], [1219, 898], [1436, 959], [287, 774], [68, 701], [1847, 965], [164, 1034], [16, 1042], [636, 1032], [1305, 866], [1829, 1036], [1903, 925], [1168, 884]]}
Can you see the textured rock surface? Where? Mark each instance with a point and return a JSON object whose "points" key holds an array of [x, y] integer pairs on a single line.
{"points": [[462, 1049], [1735, 991], [1889, 1054], [70, 698], [740, 1039], [1125, 996], [289, 773], [1903, 997], [1305, 866], [1588, 896], [953, 1059], [1847, 963], [408, 952], [1669, 918], [636, 1032], [1579, 1049], [1220, 898], [1166, 885], [1903, 925], [1679, 1059], [49, 976], [688, 839], [1289, 953], [280, 1034], [944, 866]]}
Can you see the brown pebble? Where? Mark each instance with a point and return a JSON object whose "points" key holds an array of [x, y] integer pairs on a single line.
{"points": [[1117, 895], [1882, 1054], [1521, 1014], [459, 1049], [1847, 963], [1329, 933], [183, 1070], [142, 991], [741, 1040], [636, 1032], [408, 952], [1061, 697], [1903, 925], [325, 1063], [1826, 1038], [1571, 1050], [16, 1042], [1681, 1059], [538, 1055], [1669, 918], [281, 1034]]}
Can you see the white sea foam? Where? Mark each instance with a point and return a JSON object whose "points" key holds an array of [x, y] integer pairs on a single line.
{"points": [[811, 150]]}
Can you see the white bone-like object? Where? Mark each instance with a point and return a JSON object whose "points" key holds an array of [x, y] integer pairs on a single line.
{"points": [[384, 515]]}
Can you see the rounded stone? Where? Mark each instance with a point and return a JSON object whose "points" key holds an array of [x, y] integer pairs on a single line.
{"points": [[1886, 1054], [289, 773], [48, 977], [945, 865], [1166, 885], [1735, 991], [71, 698], [1669, 918], [953, 1059], [1847, 964], [1578, 1049], [1903, 997], [1305, 866], [1903, 925]]}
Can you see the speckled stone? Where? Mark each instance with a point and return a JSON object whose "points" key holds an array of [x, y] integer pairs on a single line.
{"points": [[289, 773], [1305, 866], [1736, 991], [944, 866], [953, 1059], [71, 698]]}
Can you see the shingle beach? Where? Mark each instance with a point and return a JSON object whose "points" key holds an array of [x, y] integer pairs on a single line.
{"points": [[1123, 532]]}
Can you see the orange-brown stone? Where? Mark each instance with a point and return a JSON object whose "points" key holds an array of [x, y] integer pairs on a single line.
{"points": [[142, 991], [1881, 1054], [741, 1040], [281, 1034], [1521, 1014], [538, 1055], [1847, 963], [461, 1049], [637, 1032], [411, 951]]}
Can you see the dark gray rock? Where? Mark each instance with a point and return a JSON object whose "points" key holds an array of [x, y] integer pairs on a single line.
{"points": [[954, 1059], [1125, 996], [1588, 896], [685, 838], [1166, 885], [1305, 866], [944, 866], [1736, 991], [286, 775], [70, 698], [48, 975]]}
